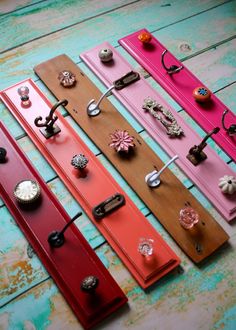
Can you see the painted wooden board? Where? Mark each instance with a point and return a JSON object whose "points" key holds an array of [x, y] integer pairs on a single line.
{"points": [[141, 161], [200, 33], [206, 174], [180, 86], [63, 263], [85, 186]]}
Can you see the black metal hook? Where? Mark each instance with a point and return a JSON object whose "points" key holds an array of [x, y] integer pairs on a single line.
{"points": [[56, 238], [196, 154], [173, 68], [50, 129], [231, 130]]}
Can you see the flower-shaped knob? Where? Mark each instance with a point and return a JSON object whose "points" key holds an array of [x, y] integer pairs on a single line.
{"points": [[145, 246], [79, 161], [67, 78], [227, 184], [121, 141]]}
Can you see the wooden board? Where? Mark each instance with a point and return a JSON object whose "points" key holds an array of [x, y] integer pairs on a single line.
{"points": [[135, 167]]}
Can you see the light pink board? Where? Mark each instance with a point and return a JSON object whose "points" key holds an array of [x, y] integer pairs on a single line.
{"points": [[180, 86], [206, 175]]}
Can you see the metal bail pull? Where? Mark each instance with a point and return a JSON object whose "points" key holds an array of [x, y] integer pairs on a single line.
{"points": [[173, 68], [108, 206], [231, 130], [196, 154], [153, 179], [49, 122], [93, 107]]}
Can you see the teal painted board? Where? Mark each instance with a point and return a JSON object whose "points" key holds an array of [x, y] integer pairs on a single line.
{"points": [[74, 12]]}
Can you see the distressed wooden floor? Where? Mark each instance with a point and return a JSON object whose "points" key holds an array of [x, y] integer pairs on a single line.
{"points": [[200, 33]]}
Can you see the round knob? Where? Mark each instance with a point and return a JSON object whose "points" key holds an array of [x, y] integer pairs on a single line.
{"points": [[79, 161], [105, 55], [201, 94], [3, 154], [145, 37], [27, 191], [67, 78], [89, 284]]}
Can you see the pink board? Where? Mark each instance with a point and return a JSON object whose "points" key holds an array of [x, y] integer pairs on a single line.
{"points": [[206, 175], [180, 86]]}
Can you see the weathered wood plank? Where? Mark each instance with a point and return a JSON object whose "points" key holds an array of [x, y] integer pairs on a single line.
{"points": [[48, 13], [7, 6], [189, 291], [95, 29]]}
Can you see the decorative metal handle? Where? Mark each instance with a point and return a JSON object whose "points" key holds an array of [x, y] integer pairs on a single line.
{"points": [[129, 78], [56, 238], [153, 179], [173, 68], [231, 130]]}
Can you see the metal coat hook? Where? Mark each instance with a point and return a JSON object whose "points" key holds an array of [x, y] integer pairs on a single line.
{"points": [[231, 130], [196, 154], [93, 107], [153, 179], [173, 68], [56, 238], [49, 122]]}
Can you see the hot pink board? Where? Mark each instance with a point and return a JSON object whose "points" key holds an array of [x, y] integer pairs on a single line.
{"points": [[180, 86]]}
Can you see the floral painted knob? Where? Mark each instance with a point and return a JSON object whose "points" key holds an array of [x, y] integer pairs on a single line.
{"points": [[67, 78], [89, 284], [121, 141], [145, 37], [188, 217], [201, 94], [227, 184], [105, 55], [79, 161]]}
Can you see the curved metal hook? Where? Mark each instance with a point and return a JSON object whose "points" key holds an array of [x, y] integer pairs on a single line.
{"points": [[173, 68], [49, 120], [231, 130]]}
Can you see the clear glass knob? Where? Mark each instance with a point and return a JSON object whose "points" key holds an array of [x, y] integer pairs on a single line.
{"points": [[145, 246]]}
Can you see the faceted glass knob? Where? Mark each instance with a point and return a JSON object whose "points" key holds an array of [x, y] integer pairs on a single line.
{"points": [[145, 246], [188, 217], [23, 91]]}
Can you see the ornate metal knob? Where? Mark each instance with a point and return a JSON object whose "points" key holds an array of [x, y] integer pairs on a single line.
{"points": [[89, 284], [79, 161], [105, 55], [27, 191]]}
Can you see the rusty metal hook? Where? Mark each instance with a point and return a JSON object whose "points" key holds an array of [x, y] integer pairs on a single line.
{"points": [[231, 130], [173, 68], [50, 129], [196, 154]]}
